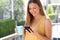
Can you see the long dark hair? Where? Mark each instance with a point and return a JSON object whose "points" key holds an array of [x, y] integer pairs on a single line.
{"points": [[29, 15]]}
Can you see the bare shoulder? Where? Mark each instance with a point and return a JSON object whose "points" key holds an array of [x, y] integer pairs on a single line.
{"points": [[48, 21]]}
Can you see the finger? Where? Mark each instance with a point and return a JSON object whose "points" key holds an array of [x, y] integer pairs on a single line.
{"points": [[30, 29]]}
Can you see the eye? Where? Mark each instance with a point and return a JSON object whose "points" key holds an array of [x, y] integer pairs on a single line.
{"points": [[34, 8]]}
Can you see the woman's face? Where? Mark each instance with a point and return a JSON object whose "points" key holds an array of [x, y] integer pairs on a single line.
{"points": [[34, 9]]}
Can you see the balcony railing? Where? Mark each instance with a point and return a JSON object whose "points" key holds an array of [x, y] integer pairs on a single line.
{"points": [[16, 37]]}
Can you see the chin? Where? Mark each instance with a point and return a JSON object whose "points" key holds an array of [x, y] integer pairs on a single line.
{"points": [[33, 15]]}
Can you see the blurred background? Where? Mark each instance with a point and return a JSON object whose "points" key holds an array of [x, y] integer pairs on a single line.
{"points": [[13, 13]]}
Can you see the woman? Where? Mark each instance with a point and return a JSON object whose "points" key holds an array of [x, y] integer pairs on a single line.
{"points": [[36, 19]]}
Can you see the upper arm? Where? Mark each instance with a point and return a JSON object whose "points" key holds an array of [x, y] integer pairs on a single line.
{"points": [[48, 28]]}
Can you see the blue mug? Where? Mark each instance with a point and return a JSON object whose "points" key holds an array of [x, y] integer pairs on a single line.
{"points": [[20, 30]]}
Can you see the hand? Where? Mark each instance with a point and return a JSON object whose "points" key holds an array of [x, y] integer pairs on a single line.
{"points": [[31, 30], [28, 28], [34, 32]]}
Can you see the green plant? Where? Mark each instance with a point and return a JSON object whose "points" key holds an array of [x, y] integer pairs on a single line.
{"points": [[7, 27], [52, 16], [3, 2], [51, 13], [19, 10], [21, 23]]}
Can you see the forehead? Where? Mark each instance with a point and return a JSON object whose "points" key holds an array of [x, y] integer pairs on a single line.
{"points": [[33, 5]]}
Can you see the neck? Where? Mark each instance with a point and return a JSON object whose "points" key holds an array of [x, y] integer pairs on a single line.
{"points": [[37, 16]]}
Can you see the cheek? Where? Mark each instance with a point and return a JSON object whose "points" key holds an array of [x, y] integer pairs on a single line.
{"points": [[34, 11], [37, 10], [30, 11]]}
